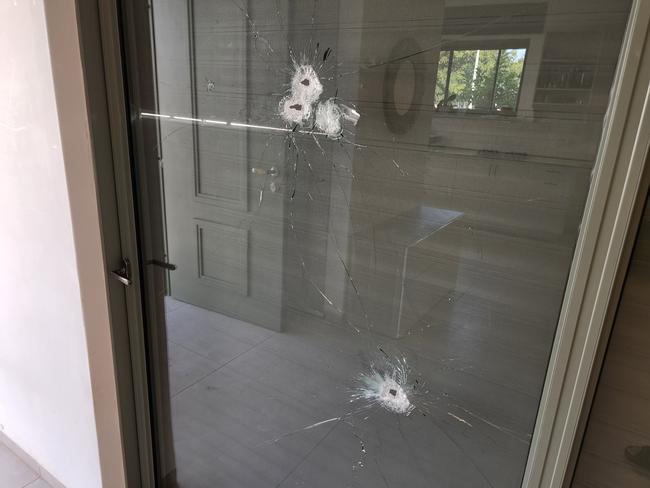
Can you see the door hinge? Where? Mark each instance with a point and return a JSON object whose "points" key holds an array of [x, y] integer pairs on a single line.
{"points": [[123, 275]]}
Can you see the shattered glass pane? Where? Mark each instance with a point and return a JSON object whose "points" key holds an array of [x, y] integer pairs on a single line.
{"points": [[368, 275]]}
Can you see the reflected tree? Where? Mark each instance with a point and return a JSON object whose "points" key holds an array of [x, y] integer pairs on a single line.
{"points": [[479, 79]]}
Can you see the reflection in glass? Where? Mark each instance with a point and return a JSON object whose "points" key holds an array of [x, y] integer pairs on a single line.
{"points": [[508, 79], [479, 79], [370, 258]]}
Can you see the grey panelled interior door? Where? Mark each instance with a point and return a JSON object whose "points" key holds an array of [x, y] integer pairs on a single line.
{"points": [[372, 207], [227, 247]]}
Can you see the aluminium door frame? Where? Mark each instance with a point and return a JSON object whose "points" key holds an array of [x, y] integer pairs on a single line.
{"points": [[102, 59], [609, 322], [617, 181], [607, 220]]}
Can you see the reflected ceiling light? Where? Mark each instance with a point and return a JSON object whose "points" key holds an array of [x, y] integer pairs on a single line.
{"points": [[160, 116], [253, 126], [188, 119], [217, 122], [232, 124]]}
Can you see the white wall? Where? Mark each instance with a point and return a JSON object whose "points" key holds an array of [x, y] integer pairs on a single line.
{"points": [[46, 400]]}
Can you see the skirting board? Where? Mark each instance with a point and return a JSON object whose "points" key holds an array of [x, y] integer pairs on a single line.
{"points": [[30, 461]]}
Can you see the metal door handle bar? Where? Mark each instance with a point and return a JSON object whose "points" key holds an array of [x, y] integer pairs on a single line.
{"points": [[162, 264], [123, 275]]}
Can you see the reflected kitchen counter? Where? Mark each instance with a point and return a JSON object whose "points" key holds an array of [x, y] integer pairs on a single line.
{"points": [[380, 262]]}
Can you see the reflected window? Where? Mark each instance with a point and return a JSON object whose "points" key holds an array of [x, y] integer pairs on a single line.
{"points": [[484, 80]]}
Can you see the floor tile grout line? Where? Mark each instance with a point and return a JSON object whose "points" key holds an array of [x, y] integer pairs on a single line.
{"points": [[232, 336], [203, 356], [183, 346], [218, 368], [16, 460], [221, 330], [173, 310], [201, 378], [33, 481], [302, 461], [474, 375]]}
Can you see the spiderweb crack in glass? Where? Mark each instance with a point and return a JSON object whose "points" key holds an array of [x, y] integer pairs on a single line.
{"points": [[387, 390], [302, 100]]}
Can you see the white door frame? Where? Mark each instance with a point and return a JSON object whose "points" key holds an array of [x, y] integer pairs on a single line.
{"points": [[605, 225]]}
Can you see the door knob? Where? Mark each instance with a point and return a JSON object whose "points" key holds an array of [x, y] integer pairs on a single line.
{"points": [[272, 171]]}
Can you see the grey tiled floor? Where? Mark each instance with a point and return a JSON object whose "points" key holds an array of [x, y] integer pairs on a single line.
{"points": [[242, 395], [14, 473]]}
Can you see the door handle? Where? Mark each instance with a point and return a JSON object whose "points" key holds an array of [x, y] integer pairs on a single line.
{"points": [[123, 275], [162, 264], [272, 171]]}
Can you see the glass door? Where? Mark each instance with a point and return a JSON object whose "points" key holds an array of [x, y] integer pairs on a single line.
{"points": [[357, 221]]}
